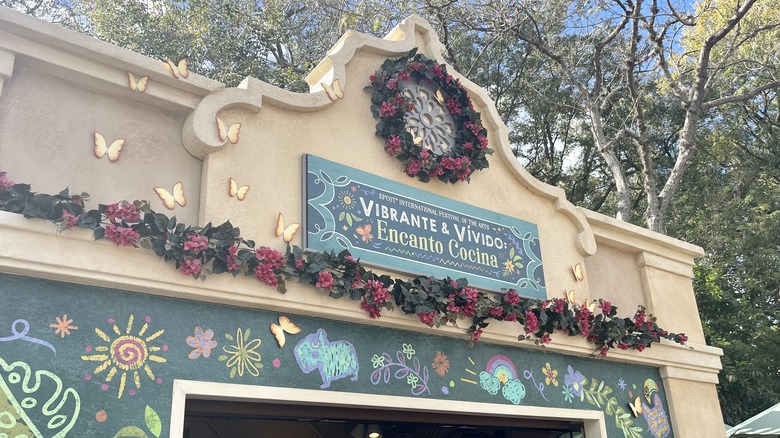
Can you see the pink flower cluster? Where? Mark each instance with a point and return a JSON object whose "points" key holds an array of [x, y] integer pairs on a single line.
{"points": [[232, 264], [531, 322], [191, 267], [427, 318], [512, 297], [325, 280], [121, 236], [196, 242], [387, 109], [372, 310], [68, 220], [5, 183], [269, 262], [453, 106], [393, 145], [122, 212]]}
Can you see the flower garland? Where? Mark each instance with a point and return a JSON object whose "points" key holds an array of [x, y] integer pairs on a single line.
{"points": [[201, 251], [390, 106]]}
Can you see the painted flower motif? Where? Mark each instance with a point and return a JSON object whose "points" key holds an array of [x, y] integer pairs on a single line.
{"points": [[365, 233], [346, 200], [63, 326], [509, 268], [622, 384], [440, 363], [377, 361], [408, 351], [576, 380], [412, 380], [127, 354], [202, 342], [242, 356], [568, 394], [551, 375]]}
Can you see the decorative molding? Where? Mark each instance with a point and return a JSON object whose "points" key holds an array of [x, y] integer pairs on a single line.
{"points": [[141, 271]]}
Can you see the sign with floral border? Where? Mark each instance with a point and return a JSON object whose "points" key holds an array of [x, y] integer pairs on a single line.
{"points": [[401, 228]]}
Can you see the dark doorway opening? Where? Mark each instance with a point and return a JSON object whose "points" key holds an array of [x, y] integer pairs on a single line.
{"points": [[226, 419]]}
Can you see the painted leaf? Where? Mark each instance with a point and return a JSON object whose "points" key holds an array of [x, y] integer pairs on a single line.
{"points": [[153, 421], [349, 219], [386, 375], [131, 432], [341, 215], [401, 373], [416, 363], [400, 357], [376, 375]]}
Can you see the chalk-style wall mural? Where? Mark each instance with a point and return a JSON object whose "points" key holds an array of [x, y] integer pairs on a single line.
{"points": [[104, 362]]}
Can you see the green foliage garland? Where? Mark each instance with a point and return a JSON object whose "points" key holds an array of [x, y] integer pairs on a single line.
{"points": [[202, 251], [390, 106]]}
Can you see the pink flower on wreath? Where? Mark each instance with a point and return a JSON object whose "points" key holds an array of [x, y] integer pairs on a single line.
{"points": [[393, 145], [391, 83], [558, 304], [325, 280], [416, 66], [196, 242], [5, 183], [603, 351], [639, 319], [403, 75], [191, 267], [512, 297], [453, 106], [412, 167], [350, 259], [387, 109], [437, 71], [475, 128], [605, 306], [510, 317], [357, 283], [122, 212], [452, 306], [468, 145], [121, 236], [546, 339], [427, 318], [299, 264], [69, 220], [639, 347], [476, 335], [483, 141]]}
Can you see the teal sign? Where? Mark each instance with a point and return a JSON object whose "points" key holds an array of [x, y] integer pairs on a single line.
{"points": [[401, 228]]}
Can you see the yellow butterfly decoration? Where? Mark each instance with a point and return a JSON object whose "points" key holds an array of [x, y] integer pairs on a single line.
{"points": [[230, 134], [170, 200], [237, 192], [571, 297], [335, 92], [177, 70], [636, 407], [286, 233], [415, 138], [137, 85], [285, 325], [440, 96], [102, 148], [579, 273]]}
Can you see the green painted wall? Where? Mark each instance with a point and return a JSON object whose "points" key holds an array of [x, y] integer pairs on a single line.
{"points": [[108, 366]]}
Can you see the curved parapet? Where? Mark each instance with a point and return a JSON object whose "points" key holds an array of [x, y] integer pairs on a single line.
{"points": [[200, 132]]}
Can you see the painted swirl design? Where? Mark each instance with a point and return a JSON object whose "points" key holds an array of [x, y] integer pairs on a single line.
{"points": [[129, 352]]}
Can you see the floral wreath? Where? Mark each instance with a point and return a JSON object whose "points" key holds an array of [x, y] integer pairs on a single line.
{"points": [[390, 106]]}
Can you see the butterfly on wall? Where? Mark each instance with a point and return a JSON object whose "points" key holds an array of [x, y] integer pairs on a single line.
{"points": [[334, 92], [177, 70], [237, 192], [170, 200], [287, 233], [415, 138], [230, 134], [579, 273], [636, 407], [571, 296], [440, 96], [285, 325], [138, 85], [102, 148]]}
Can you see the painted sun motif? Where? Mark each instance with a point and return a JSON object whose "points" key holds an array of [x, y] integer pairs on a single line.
{"points": [[346, 200], [63, 326], [126, 354], [441, 364]]}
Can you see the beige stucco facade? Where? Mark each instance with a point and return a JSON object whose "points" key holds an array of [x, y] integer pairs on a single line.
{"points": [[57, 87]]}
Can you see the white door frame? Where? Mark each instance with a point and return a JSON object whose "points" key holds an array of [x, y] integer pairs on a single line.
{"points": [[594, 422]]}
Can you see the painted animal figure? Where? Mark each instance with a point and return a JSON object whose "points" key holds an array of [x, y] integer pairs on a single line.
{"points": [[334, 360]]}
